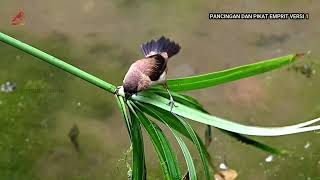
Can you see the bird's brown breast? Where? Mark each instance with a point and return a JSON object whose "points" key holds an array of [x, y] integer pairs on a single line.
{"points": [[143, 72]]}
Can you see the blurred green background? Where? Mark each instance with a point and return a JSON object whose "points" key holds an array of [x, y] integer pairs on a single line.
{"points": [[104, 37]]}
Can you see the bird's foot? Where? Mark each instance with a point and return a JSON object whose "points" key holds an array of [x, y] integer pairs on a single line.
{"points": [[119, 91], [172, 104]]}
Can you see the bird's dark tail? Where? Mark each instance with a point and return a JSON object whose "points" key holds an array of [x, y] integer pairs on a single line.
{"points": [[160, 46]]}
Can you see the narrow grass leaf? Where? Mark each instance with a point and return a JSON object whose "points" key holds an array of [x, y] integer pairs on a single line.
{"points": [[204, 118], [57, 63], [183, 99], [215, 78], [191, 168], [138, 160], [193, 103], [168, 159], [184, 128], [186, 153], [198, 146], [170, 120], [122, 107], [187, 156], [256, 144]]}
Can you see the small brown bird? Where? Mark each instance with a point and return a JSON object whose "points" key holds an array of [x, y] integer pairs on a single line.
{"points": [[152, 69]]}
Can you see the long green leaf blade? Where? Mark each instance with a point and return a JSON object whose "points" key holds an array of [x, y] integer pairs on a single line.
{"points": [[184, 149], [183, 99], [168, 159], [215, 78], [138, 160], [183, 128], [122, 107], [256, 144], [193, 103], [168, 118], [187, 156], [204, 118], [57, 62], [197, 143]]}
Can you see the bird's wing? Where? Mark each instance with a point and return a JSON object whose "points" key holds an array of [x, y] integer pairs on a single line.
{"points": [[152, 67]]}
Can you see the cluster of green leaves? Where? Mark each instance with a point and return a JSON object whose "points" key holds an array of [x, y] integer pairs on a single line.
{"points": [[154, 103]]}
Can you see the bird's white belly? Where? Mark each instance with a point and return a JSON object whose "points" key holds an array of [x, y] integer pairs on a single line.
{"points": [[161, 79]]}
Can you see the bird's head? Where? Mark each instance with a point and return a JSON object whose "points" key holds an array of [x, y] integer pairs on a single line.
{"points": [[129, 90]]}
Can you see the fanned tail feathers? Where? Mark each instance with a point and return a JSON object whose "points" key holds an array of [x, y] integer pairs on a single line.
{"points": [[160, 46]]}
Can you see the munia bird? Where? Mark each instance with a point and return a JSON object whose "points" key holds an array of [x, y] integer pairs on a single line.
{"points": [[152, 69]]}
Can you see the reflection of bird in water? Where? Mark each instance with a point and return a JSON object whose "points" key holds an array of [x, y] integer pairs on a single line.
{"points": [[73, 135]]}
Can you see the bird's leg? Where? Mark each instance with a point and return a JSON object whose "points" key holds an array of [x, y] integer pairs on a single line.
{"points": [[171, 102]]}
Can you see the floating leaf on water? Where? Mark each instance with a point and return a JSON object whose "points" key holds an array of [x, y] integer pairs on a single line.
{"points": [[18, 19], [229, 174]]}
